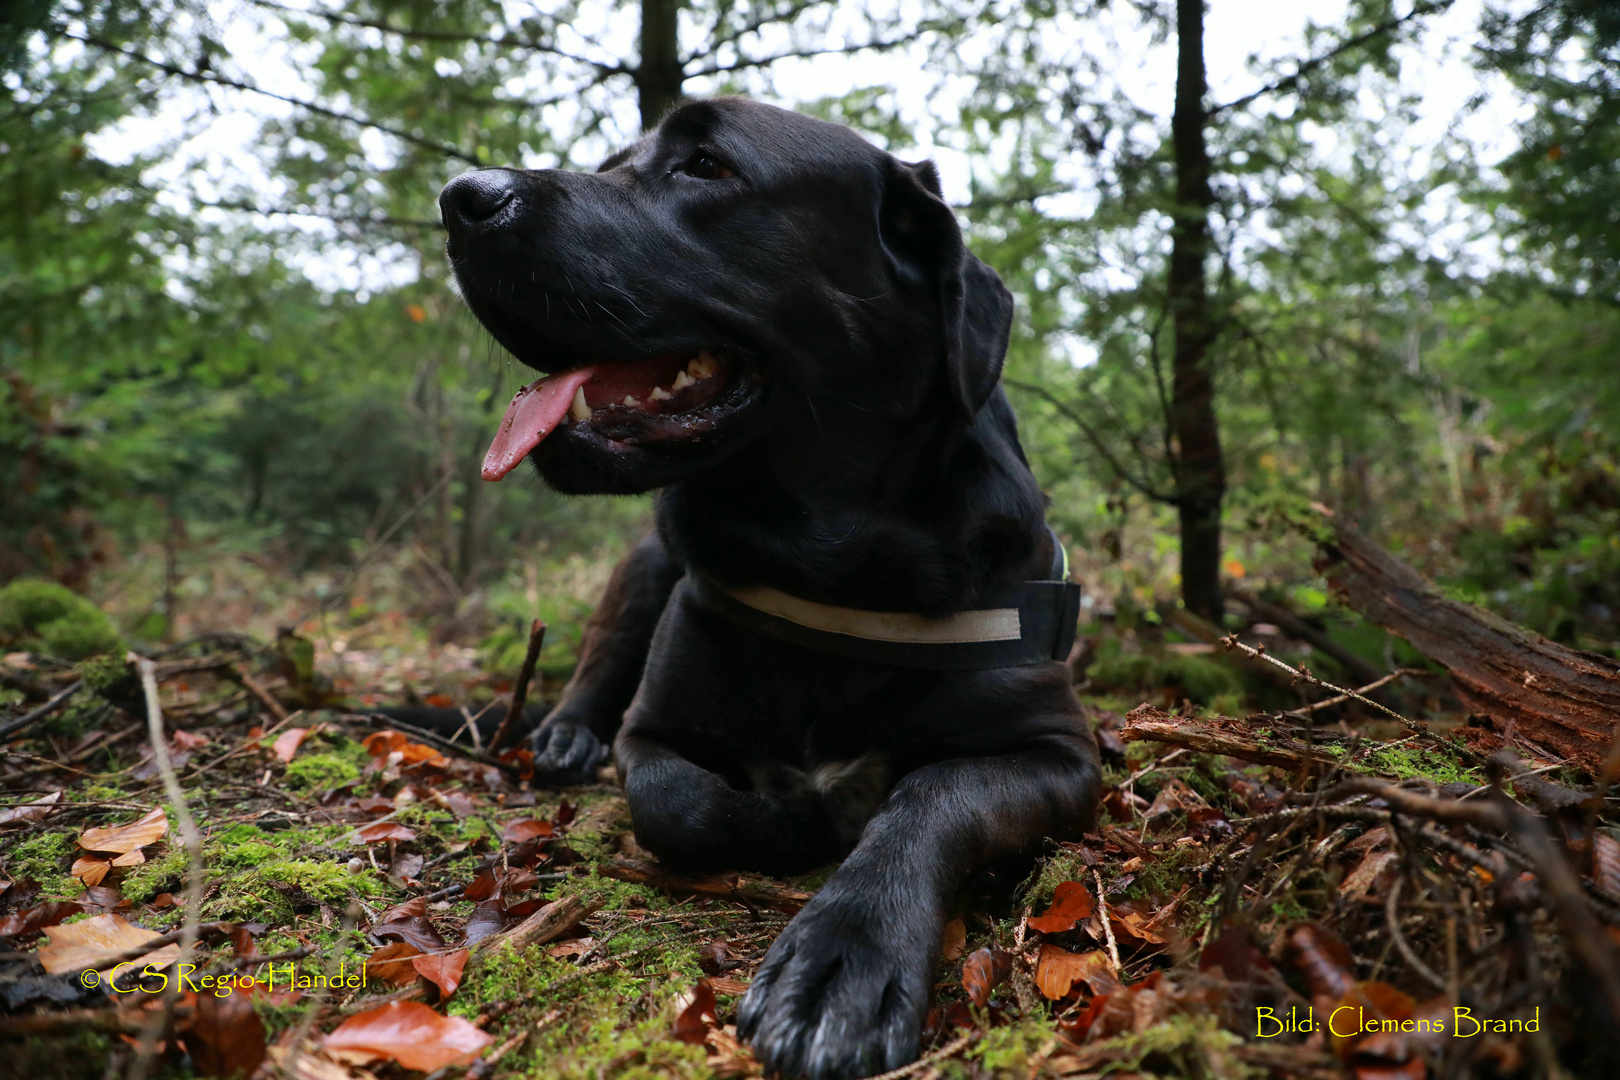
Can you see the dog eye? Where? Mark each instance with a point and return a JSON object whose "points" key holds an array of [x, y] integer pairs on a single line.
{"points": [[704, 167]]}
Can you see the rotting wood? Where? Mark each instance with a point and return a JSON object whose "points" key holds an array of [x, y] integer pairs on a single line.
{"points": [[1222, 735], [1529, 688], [551, 921], [745, 890]]}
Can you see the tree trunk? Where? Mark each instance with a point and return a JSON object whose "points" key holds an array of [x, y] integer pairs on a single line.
{"points": [[659, 75], [1200, 473], [1530, 689]]}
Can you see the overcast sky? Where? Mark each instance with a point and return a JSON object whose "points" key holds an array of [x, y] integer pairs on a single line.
{"points": [[221, 157]]}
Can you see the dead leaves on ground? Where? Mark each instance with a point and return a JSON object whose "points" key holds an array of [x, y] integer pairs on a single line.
{"points": [[118, 846], [409, 1033], [90, 944]]}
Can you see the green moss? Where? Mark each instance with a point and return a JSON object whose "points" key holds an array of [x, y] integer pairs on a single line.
{"points": [[109, 676], [1415, 763], [320, 772], [275, 891], [46, 859], [1201, 678], [1190, 1047], [164, 874], [1008, 1051], [44, 617]]}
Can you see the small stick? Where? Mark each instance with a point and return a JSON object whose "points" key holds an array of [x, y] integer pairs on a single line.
{"points": [[1108, 928], [40, 713], [147, 1047], [926, 1060], [520, 690], [256, 688], [1231, 642]]}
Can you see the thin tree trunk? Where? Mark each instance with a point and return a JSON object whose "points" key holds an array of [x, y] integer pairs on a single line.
{"points": [[1200, 472], [659, 75]]}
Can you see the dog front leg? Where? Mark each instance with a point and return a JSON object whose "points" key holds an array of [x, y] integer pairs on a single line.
{"points": [[692, 818], [573, 739], [843, 990]]}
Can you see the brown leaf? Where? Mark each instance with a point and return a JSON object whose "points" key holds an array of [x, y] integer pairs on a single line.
{"points": [[90, 869], [1071, 902], [378, 831], [407, 1032], [224, 1036], [442, 971], [1368, 1002], [286, 744], [418, 932], [38, 918], [186, 740], [482, 888], [693, 1023], [1323, 959], [953, 940], [1136, 925], [1606, 863], [983, 971], [392, 964], [83, 944], [122, 839], [1235, 953], [1360, 881], [526, 829], [487, 918], [576, 947], [130, 858], [728, 986], [1058, 970], [104, 897], [414, 908], [30, 812]]}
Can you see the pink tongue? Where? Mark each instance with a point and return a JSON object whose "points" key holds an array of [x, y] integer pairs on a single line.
{"points": [[536, 410]]}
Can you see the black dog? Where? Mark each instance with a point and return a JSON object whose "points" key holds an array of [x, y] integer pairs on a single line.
{"points": [[779, 326]]}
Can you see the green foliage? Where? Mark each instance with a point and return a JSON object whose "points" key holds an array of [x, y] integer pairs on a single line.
{"points": [[320, 772], [45, 858], [1199, 678], [44, 617]]}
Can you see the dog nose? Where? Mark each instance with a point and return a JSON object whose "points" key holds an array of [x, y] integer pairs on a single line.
{"points": [[476, 197]]}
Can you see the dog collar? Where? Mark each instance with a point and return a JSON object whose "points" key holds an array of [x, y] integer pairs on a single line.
{"points": [[1031, 623]]}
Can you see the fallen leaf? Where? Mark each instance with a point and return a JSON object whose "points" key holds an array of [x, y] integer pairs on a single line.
{"points": [[407, 1032], [954, 939], [185, 740], [286, 744], [82, 945], [417, 931], [123, 839], [378, 831], [104, 897], [487, 919], [1359, 882], [443, 971], [1071, 902], [1057, 970], [728, 986], [90, 869], [1327, 965], [224, 1036], [31, 811], [693, 1023], [130, 858], [983, 971], [38, 918], [576, 947], [1136, 925], [482, 887], [392, 964], [527, 829], [1374, 1001], [1235, 953]]}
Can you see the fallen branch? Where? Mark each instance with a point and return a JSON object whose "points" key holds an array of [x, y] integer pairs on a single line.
{"points": [[257, 689], [1539, 690], [40, 713], [1153, 725], [520, 689], [744, 890], [550, 922]]}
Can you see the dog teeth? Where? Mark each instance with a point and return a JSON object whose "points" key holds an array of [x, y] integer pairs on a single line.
{"points": [[659, 394], [578, 409], [632, 401], [683, 380], [704, 365]]}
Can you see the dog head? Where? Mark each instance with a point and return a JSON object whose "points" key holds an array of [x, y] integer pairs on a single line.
{"points": [[739, 271]]}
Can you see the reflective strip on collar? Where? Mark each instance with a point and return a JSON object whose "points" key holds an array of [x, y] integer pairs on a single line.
{"points": [[991, 624]]}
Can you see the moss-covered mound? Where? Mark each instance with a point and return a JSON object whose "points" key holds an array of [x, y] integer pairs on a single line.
{"points": [[43, 617]]}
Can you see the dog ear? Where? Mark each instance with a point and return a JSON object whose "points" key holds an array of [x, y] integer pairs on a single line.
{"points": [[924, 246]]}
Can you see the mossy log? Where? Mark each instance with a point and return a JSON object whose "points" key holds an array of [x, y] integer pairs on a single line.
{"points": [[1528, 688]]}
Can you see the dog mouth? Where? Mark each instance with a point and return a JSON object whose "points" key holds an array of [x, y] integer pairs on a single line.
{"points": [[670, 397]]}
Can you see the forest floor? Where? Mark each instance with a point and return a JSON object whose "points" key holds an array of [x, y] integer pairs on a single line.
{"points": [[368, 900]]}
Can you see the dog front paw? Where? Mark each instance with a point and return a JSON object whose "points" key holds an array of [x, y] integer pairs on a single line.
{"points": [[840, 995], [566, 753]]}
